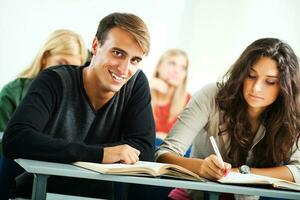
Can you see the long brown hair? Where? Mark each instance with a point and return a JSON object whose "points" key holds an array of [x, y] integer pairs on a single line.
{"points": [[281, 119]]}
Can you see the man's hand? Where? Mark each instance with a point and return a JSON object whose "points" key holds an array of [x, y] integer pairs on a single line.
{"points": [[121, 153]]}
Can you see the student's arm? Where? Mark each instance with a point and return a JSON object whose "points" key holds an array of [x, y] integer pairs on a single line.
{"points": [[161, 135], [8, 103], [190, 123], [159, 85], [209, 168], [281, 172], [289, 172], [137, 128], [24, 137], [10, 97], [120, 153], [138, 122]]}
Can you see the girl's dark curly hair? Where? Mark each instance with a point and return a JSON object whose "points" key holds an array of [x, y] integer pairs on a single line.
{"points": [[281, 119]]}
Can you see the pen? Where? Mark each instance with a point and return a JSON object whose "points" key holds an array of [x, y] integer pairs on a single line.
{"points": [[217, 152]]}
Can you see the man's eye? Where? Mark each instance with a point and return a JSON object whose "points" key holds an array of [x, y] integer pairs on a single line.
{"points": [[135, 61], [117, 53]]}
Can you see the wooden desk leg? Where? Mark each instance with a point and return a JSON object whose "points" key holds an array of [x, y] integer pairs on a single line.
{"points": [[213, 195], [39, 187]]}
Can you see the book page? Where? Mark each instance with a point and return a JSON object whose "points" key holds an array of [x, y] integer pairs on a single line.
{"points": [[140, 167], [282, 184], [181, 172], [238, 178]]}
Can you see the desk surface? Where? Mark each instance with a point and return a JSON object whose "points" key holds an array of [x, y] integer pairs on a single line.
{"points": [[58, 169]]}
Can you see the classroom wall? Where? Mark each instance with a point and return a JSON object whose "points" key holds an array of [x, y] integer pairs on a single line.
{"points": [[24, 26], [213, 32], [221, 30]]}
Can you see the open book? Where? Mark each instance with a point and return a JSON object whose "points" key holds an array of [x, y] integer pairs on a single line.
{"points": [[142, 168], [238, 178]]}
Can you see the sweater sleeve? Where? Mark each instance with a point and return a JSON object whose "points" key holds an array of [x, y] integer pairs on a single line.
{"points": [[8, 103], [294, 163], [138, 123], [25, 136], [191, 122]]}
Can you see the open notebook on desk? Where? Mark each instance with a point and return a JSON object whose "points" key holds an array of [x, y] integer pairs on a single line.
{"points": [[238, 178], [142, 168]]}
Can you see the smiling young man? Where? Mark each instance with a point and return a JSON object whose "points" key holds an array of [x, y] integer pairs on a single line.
{"points": [[99, 113]]}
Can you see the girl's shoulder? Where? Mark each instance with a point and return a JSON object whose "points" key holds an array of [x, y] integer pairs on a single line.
{"points": [[207, 92], [17, 84]]}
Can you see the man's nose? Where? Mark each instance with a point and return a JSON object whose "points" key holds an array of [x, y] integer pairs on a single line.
{"points": [[124, 66]]}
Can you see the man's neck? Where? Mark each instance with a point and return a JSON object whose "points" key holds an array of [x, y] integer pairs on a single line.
{"points": [[95, 92]]}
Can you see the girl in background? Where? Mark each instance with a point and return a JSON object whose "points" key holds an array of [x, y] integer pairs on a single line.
{"points": [[169, 97], [63, 47], [168, 90]]}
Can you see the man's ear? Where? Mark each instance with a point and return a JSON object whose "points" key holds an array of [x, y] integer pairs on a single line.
{"points": [[94, 45]]}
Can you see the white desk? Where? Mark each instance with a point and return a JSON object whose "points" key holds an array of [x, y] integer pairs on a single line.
{"points": [[42, 170]]}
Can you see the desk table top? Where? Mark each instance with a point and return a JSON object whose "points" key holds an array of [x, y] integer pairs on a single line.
{"points": [[69, 170]]}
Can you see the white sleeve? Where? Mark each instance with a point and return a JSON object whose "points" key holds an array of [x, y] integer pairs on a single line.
{"points": [[294, 164]]}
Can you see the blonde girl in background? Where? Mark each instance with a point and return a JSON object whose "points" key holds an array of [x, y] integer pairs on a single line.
{"points": [[168, 89], [63, 47]]}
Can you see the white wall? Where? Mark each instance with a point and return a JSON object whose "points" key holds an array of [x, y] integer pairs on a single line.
{"points": [[220, 30], [213, 32], [24, 25]]}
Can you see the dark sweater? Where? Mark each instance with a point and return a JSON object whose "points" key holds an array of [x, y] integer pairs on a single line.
{"points": [[56, 122]]}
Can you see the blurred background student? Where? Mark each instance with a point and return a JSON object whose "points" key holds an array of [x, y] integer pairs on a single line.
{"points": [[169, 97], [63, 47], [168, 90]]}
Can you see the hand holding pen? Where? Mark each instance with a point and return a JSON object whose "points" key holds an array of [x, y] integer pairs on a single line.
{"points": [[224, 166], [213, 167]]}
